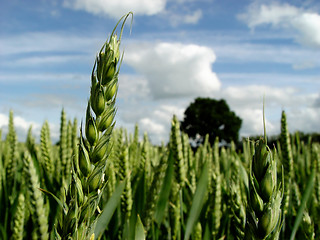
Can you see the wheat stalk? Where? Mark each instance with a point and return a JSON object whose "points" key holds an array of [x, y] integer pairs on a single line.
{"points": [[89, 168]]}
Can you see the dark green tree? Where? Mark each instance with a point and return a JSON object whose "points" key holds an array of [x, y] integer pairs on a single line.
{"points": [[213, 117]]}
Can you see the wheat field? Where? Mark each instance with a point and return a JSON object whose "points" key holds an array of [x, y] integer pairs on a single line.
{"points": [[102, 182]]}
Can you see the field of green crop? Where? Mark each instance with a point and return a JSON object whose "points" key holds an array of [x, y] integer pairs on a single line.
{"points": [[101, 182]]}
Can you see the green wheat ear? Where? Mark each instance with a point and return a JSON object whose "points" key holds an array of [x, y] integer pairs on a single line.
{"points": [[45, 143], [126, 198], [90, 161], [237, 200], [176, 148], [19, 219], [154, 192], [11, 160], [214, 212], [36, 198], [287, 161], [264, 214]]}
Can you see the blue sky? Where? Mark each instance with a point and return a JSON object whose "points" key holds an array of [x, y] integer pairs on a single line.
{"points": [[177, 50]]}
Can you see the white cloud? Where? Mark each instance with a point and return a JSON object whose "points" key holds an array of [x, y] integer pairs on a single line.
{"points": [[274, 14], [303, 65], [22, 123], [152, 127], [176, 18], [194, 17], [73, 79], [132, 87], [153, 117], [54, 101], [309, 26], [21, 126], [177, 13], [3, 120], [24, 61], [304, 119], [285, 16], [316, 103], [266, 53], [252, 95], [174, 69], [157, 121], [307, 83], [247, 102], [117, 8], [166, 111], [251, 121], [48, 42]]}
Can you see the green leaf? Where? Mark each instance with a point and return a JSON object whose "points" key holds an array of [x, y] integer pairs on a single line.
{"points": [[108, 210], [206, 233], [244, 175], [139, 235], [165, 192], [307, 193], [50, 194], [197, 201], [3, 232]]}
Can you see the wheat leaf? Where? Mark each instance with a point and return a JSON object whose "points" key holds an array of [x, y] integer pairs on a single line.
{"points": [[197, 201], [307, 193], [139, 233], [108, 210]]}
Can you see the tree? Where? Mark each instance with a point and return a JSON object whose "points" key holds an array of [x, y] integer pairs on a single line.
{"points": [[213, 117]]}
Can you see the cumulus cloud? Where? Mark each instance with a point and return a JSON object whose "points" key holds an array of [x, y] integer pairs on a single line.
{"points": [[3, 120], [21, 126], [153, 117], [303, 119], [317, 102], [252, 122], [174, 69], [117, 8], [274, 14], [306, 23], [133, 87], [247, 102], [178, 12], [252, 95], [157, 121], [152, 127]]}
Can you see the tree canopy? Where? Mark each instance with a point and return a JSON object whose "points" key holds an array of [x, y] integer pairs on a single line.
{"points": [[213, 117]]}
